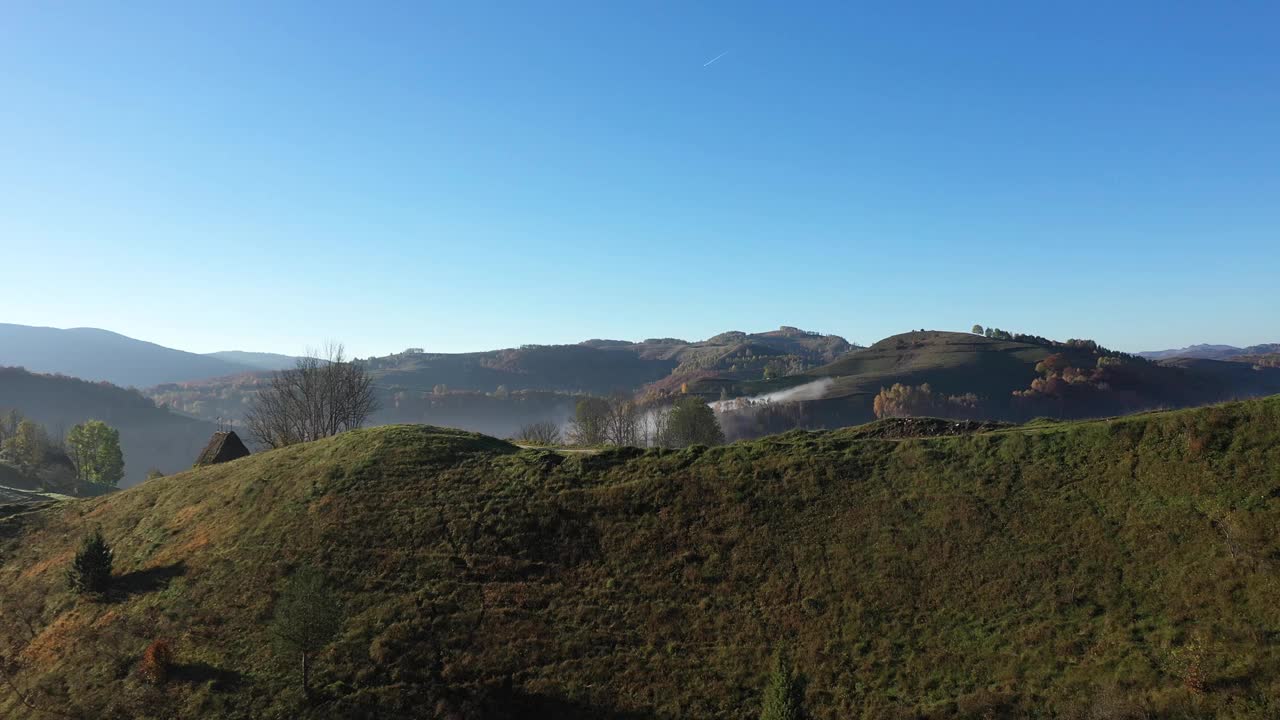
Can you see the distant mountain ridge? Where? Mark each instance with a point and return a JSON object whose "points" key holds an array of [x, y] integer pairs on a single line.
{"points": [[102, 355], [496, 391], [603, 366], [256, 360], [808, 379], [1211, 352], [590, 366]]}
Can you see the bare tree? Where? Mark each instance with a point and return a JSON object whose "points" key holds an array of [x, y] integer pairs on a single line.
{"points": [[616, 420], [622, 421], [323, 395], [539, 433]]}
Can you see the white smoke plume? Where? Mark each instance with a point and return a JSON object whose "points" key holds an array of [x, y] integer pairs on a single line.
{"points": [[809, 391]]}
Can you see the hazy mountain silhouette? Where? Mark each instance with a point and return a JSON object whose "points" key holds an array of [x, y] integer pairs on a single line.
{"points": [[256, 360], [94, 354], [1211, 352]]}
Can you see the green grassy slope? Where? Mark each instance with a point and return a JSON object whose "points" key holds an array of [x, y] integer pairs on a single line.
{"points": [[952, 362], [1051, 570]]}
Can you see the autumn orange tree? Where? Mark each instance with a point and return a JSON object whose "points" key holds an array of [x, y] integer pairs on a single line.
{"points": [[920, 401], [157, 662]]}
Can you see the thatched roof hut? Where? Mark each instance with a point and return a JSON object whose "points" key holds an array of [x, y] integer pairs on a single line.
{"points": [[222, 447]]}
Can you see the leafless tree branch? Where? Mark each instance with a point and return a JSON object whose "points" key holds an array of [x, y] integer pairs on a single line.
{"points": [[323, 395]]}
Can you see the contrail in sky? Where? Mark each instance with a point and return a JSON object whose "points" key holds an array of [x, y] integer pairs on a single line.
{"points": [[726, 52]]}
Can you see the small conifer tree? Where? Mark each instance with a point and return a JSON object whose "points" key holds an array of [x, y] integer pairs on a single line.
{"points": [[784, 697], [90, 572], [306, 618]]}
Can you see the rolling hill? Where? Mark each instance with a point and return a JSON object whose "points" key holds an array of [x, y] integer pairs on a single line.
{"points": [[604, 366], [498, 391], [952, 362], [999, 374], [93, 354], [567, 368], [1122, 568], [149, 436]]}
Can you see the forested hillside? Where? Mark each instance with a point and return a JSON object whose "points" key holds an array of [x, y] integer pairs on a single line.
{"points": [[150, 437]]}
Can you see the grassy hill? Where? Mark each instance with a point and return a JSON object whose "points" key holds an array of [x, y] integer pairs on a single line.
{"points": [[951, 362], [994, 370], [149, 436], [737, 355], [1090, 569]]}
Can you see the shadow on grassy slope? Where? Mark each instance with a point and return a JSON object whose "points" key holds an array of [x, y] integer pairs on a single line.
{"points": [[221, 679], [140, 582]]}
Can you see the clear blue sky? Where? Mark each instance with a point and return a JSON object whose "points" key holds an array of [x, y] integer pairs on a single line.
{"points": [[471, 175]]}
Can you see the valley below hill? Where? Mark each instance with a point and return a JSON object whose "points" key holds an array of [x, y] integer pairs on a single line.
{"points": [[150, 437], [765, 383]]}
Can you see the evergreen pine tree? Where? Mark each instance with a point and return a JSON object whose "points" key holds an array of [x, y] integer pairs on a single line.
{"points": [[90, 572], [784, 697], [306, 618]]}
